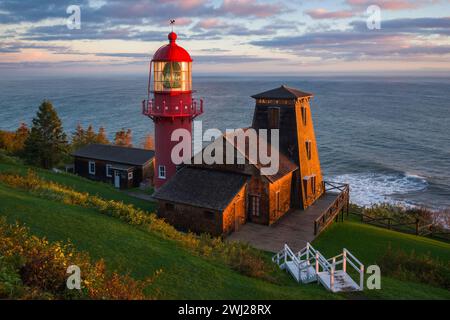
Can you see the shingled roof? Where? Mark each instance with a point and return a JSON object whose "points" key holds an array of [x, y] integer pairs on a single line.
{"points": [[202, 188], [285, 165], [282, 92], [118, 154]]}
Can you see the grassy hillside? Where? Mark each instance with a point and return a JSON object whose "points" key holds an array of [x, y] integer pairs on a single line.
{"points": [[187, 276], [103, 190]]}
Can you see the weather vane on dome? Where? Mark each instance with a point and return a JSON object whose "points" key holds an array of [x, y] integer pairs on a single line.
{"points": [[172, 22]]}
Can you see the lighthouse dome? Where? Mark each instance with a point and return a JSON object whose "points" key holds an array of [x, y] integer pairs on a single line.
{"points": [[172, 51]]}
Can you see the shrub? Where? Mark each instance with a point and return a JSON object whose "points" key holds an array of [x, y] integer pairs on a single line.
{"points": [[413, 267], [238, 256], [32, 267]]}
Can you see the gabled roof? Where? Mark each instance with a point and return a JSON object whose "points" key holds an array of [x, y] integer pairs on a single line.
{"points": [[285, 165], [118, 154], [202, 188], [282, 92]]}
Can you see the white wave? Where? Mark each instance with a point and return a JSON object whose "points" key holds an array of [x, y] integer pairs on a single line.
{"points": [[367, 189]]}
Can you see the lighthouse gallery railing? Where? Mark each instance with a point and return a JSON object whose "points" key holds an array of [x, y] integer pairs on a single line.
{"points": [[195, 108]]}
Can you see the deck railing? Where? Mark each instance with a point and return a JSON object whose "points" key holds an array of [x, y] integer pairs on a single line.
{"points": [[340, 204]]}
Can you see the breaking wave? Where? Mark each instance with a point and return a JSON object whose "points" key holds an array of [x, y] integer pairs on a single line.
{"points": [[367, 189]]}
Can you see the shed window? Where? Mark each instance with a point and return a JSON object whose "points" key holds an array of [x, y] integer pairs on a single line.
{"points": [[162, 172], [130, 175], [170, 206], [274, 118], [308, 149], [109, 170], [92, 167]]}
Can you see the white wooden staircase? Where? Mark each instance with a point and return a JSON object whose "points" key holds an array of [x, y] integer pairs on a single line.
{"points": [[309, 265]]}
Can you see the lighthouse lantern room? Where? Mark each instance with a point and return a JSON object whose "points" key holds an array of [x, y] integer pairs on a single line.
{"points": [[172, 106]]}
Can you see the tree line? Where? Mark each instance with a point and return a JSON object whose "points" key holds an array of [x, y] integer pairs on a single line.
{"points": [[46, 144]]}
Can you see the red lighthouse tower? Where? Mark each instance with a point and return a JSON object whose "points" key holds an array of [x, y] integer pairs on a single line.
{"points": [[172, 106]]}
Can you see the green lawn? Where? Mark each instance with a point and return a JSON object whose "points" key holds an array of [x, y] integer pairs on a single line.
{"points": [[368, 243], [186, 276], [103, 190], [130, 249]]}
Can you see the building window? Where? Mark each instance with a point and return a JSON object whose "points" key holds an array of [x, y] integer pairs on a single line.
{"points": [[170, 206], [92, 167], [274, 118], [130, 175], [305, 185], [308, 149], [209, 215], [109, 170], [162, 172], [313, 184], [303, 115], [254, 203]]}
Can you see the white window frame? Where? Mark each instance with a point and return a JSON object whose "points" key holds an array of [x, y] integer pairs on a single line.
{"points": [[162, 172], [92, 172], [109, 166], [130, 175]]}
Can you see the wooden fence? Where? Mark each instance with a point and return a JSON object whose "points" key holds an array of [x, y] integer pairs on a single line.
{"points": [[416, 227]]}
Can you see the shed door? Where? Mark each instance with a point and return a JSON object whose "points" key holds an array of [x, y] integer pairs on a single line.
{"points": [[117, 179]]}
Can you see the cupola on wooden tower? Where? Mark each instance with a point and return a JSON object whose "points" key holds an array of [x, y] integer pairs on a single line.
{"points": [[289, 110], [172, 106]]}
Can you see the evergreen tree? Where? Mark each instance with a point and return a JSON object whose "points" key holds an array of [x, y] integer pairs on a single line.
{"points": [[46, 144], [78, 138]]}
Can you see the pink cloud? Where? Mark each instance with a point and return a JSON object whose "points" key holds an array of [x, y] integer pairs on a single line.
{"points": [[186, 4], [211, 23], [325, 14], [392, 4], [250, 8]]}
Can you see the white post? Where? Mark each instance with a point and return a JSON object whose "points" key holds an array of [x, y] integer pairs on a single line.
{"points": [[317, 262], [285, 258], [333, 266], [307, 253], [361, 278], [344, 261]]}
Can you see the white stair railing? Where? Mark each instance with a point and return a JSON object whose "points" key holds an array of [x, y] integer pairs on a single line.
{"points": [[347, 258], [309, 257], [356, 264]]}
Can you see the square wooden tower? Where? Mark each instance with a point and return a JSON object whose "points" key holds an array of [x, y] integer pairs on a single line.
{"points": [[288, 110]]}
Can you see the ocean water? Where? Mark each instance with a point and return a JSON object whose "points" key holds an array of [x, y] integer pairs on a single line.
{"points": [[388, 137]]}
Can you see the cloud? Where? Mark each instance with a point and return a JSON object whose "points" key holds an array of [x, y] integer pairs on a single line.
{"points": [[231, 59], [397, 38], [392, 4], [424, 26], [248, 8], [325, 14]]}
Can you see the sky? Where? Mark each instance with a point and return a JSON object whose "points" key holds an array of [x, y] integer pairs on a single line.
{"points": [[245, 37]]}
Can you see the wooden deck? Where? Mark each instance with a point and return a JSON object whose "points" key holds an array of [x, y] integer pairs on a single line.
{"points": [[295, 228]]}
